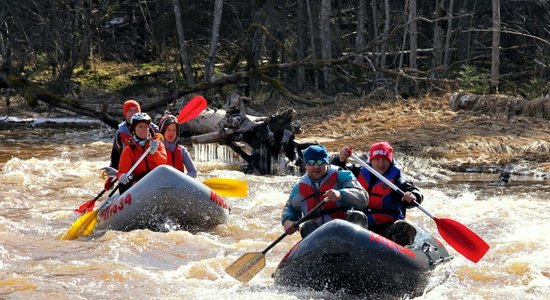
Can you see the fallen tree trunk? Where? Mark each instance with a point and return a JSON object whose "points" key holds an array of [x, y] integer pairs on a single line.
{"points": [[269, 142], [508, 105], [33, 93]]}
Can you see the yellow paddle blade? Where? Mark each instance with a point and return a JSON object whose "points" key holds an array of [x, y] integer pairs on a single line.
{"points": [[83, 226], [228, 187], [247, 266], [89, 228]]}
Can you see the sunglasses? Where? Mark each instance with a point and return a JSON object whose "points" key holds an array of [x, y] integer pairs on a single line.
{"points": [[312, 162]]}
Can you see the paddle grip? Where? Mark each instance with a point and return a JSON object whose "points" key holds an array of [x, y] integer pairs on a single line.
{"points": [[304, 218]]}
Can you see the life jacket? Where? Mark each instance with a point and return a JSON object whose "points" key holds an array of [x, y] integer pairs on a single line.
{"points": [[312, 195], [148, 163], [383, 206], [175, 158], [123, 134]]}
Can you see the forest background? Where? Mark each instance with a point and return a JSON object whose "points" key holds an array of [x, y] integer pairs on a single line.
{"points": [[355, 71]]}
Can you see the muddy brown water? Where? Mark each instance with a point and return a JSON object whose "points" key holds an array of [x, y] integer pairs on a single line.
{"points": [[45, 173]]}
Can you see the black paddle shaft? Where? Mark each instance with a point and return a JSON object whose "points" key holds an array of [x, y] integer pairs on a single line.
{"points": [[302, 220]]}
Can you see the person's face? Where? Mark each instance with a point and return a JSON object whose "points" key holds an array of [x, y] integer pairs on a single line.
{"points": [[170, 133], [380, 164], [316, 171], [130, 112], [142, 130]]}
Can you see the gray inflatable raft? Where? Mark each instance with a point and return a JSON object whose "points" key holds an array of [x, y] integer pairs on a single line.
{"points": [[165, 199]]}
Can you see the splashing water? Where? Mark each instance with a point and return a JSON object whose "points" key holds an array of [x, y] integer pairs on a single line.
{"points": [[48, 173]]}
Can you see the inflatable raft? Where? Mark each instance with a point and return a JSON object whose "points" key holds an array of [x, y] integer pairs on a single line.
{"points": [[341, 256], [165, 199]]}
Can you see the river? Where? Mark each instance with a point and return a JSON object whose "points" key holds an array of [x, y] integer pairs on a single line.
{"points": [[47, 172]]}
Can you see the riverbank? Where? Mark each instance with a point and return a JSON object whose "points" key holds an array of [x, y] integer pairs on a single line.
{"points": [[426, 128], [460, 141]]}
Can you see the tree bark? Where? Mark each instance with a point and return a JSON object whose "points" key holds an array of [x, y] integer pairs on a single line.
{"points": [[495, 53], [413, 33], [326, 40], [438, 39], [385, 34], [187, 70], [360, 31], [448, 35], [375, 26], [312, 31], [209, 63], [301, 49]]}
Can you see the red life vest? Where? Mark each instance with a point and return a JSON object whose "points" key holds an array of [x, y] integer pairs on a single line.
{"points": [[134, 152], [311, 197], [123, 134], [175, 158], [124, 137], [383, 207]]}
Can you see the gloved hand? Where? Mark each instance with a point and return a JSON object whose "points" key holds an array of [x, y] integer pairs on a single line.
{"points": [[290, 227], [108, 184], [108, 172], [154, 145], [125, 179], [159, 137], [344, 154]]}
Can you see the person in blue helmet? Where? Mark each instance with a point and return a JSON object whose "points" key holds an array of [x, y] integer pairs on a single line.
{"points": [[322, 181]]}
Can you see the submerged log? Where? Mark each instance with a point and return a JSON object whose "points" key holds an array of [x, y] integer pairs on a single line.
{"points": [[269, 142]]}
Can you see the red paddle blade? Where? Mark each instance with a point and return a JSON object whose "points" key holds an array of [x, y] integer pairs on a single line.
{"points": [[462, 239], [86, 207], [192, 109]]}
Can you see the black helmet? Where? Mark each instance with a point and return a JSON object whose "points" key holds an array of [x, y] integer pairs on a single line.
{"points": [[167, 120], [137, 118]]}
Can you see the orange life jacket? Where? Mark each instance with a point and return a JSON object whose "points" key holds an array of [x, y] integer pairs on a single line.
{"points": [[133, 152]]}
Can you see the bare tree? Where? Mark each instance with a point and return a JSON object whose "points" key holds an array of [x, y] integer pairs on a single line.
{"points": [[209, 63], [360, 31], [312, 40], [385, 34], [184, 56], [495, 53], [448, 35], [326, 39], [438, 38], [377, 47], [413, 34], [301, 49]]}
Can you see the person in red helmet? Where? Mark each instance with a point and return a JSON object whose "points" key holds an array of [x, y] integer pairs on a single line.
{"points": [[140, 141], [122, 135], [386, 211], [177, 155]]}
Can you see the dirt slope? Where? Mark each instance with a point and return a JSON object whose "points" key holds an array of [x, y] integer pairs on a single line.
{"points": [[429, 128]]}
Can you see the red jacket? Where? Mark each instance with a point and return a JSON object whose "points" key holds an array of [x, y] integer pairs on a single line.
{"points": [[133, 152]]}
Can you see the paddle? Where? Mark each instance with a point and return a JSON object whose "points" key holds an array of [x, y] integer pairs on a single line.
{"points": [[192, 109], [86, 223], [462, 239], [227, 187], [89, 205], [248, 265]]}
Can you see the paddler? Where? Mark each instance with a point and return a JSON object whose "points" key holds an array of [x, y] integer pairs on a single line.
{"points": [[321, 181]]}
